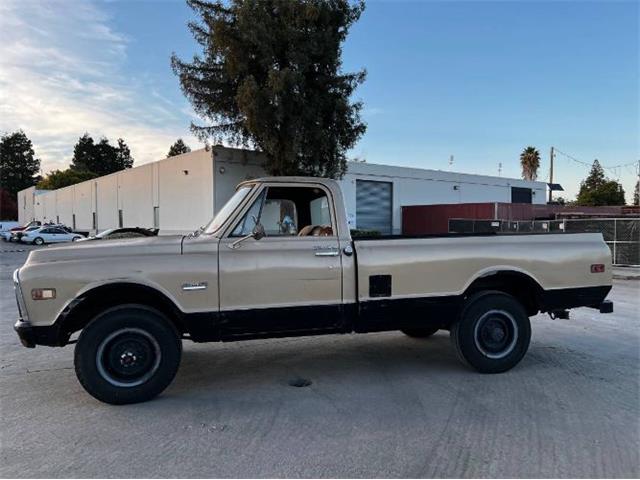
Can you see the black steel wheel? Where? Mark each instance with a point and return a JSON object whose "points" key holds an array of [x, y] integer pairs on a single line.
{"points": [[127, 354], [493, 332]]}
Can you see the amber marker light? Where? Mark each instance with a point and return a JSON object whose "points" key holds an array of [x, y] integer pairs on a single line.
{"points": [[43, 293]]}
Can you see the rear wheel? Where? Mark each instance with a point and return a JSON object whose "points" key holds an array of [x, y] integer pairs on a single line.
{"points": [[127, 354], [493, 332], [422, 332]]}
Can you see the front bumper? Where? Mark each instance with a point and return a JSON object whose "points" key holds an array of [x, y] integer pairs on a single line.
{"points": [[30, 335]]}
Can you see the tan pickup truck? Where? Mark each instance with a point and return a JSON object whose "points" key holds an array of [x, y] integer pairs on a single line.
{"points": [[278, 260]]}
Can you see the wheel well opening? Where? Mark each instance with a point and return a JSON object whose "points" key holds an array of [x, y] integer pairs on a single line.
{"points": [[519, 285], [87, 306]]}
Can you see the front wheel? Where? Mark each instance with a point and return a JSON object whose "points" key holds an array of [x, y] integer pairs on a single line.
{"points": [[493, 332], [38, 241], [127, 354]]}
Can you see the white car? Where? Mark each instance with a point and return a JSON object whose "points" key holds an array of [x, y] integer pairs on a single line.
{"points": [[48, 234]]}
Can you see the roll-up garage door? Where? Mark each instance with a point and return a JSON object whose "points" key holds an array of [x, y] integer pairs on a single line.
{"points": [[374, 202]]}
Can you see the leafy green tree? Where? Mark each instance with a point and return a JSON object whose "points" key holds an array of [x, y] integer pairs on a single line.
{"points": [[530, 163], [270, 76], [178, 148], [100, 158], [598, 190], [64, 178], [18, 165]]}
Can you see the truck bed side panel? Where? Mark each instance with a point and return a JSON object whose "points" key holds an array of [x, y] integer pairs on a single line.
{"points": [[437, 271]]}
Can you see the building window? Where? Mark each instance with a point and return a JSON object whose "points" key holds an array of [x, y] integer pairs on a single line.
{"points": [[94, 221], [520, 195], [120, 218], [156, 217]]}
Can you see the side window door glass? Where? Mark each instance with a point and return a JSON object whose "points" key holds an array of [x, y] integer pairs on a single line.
{"points": [[288, 212], [248, 222]]}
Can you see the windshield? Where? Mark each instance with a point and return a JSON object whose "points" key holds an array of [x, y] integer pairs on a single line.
{"points": [[228, 209]]}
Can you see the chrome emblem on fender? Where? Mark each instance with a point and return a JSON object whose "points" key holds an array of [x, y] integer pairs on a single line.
{"points": [[188, 287]]}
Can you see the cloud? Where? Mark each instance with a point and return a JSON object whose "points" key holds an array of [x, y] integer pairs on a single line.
{"points": [[62, 73]]}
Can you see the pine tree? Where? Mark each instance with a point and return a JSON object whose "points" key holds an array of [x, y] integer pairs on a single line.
{"points": [[270, 76], [123, 155], [100, 158], [18, 165], [83, 153], [178, 148], [597, 190]]}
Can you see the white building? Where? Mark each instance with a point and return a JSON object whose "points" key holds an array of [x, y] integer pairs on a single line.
{"points": [[181, 193]]}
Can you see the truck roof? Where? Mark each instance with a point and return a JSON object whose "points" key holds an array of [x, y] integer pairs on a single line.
{"points": [[321, 180]]}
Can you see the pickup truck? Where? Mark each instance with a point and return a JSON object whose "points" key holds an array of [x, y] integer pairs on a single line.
{"points": [[279, 260]]}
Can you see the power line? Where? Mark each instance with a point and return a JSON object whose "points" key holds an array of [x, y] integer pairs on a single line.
{"points": [[612, 167]]}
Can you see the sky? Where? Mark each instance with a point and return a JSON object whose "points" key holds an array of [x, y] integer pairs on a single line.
{"points": [[477, 80]]}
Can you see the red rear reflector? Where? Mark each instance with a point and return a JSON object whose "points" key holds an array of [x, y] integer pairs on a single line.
{"points": [[597, 268]]}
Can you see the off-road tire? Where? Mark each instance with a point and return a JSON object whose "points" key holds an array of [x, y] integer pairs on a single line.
{"points": [[420, 332], [474, 340], [93, 358]]}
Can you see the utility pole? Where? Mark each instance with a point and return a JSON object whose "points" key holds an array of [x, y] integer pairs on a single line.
{"points": [[500, 169], [551, 176]]}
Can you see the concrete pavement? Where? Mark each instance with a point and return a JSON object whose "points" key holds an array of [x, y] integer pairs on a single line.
{"points": [[379, 405]]}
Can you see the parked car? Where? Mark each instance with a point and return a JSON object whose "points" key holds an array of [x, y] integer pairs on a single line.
{"points": [[118, 233], [10, 237], [5, 228], [16, 236], [278, 260], [49, 234]]}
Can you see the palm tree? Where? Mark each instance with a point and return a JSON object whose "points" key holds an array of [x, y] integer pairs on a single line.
{"points": [[530, 163]]}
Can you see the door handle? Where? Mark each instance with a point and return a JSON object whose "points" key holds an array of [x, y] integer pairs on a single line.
{"points": [[328, 252]]}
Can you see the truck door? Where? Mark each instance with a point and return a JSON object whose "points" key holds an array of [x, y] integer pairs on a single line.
{"points": [[289, 280]]}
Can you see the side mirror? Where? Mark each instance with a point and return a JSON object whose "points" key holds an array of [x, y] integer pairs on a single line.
{"points": [[258, 231], [256, 234]]}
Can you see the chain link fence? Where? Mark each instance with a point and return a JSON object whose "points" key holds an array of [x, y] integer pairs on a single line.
{"points": [[622, 235]]}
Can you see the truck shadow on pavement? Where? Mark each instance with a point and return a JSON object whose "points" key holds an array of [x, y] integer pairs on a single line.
{"points": [[328, 360]]}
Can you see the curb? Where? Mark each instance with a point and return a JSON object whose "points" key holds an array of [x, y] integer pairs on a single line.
{"points": [[626, 277]]}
